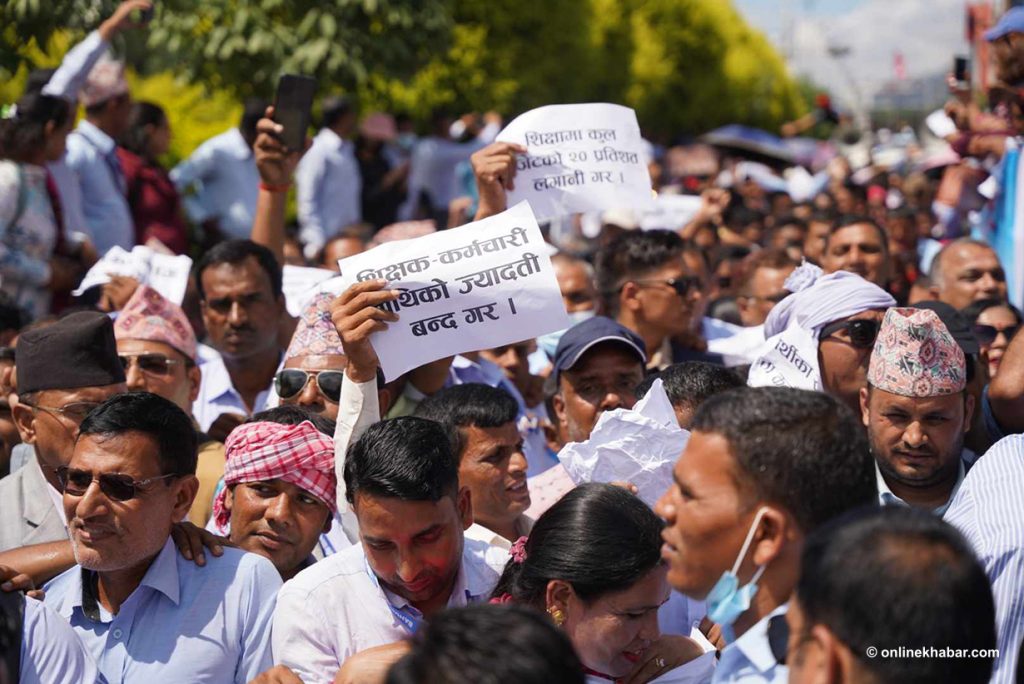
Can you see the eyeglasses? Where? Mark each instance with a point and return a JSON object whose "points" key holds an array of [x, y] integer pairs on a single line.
{"points": [[76, 411], [682, 286], [114, 485], [289, 382], [987, 334], [773, 298], [862, 331], [149, 363]]}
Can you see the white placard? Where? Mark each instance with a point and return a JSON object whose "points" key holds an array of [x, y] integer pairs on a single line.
{"points": [[165, 273], [300, 284], [939, 123], [580, 158], [479, 286], [670, 212]]}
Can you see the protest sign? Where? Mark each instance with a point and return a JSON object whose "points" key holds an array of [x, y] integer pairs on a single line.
{"points": [[580, 158], [299, 284], [483, 285], [165, 273], [670, 212]]}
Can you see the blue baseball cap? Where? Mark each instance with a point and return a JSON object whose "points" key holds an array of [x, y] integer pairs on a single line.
{"points": [[582, 337], [1012, 21]]}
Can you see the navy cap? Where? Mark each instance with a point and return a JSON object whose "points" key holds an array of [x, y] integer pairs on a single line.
{"points": [[957, 324], [582, 337], [1012, 21]]}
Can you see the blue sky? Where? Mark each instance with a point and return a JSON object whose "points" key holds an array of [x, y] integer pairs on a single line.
{"points": [[927, 32]]}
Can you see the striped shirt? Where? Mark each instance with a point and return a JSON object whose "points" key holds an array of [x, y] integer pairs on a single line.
{"points": [[989, 511]]}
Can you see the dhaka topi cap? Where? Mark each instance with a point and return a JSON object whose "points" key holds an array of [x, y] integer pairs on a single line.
{"points": [[916, 356], [315, 335], [150, 317], [104, 82], [77, 351]]}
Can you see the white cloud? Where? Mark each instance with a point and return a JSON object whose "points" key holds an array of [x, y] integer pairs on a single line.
{"points": [[927, 32]]}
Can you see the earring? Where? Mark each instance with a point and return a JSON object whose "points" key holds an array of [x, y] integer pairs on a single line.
{"points": [[557, 615]]}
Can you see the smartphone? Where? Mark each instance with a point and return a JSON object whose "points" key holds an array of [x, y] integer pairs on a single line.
{"points": [[961, 73], [293, 107], [145, 16]]}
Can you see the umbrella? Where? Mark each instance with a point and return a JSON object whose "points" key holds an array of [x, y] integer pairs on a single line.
{"points": [[751, 143]]}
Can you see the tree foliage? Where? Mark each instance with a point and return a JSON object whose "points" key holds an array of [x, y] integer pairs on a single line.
{"points": [[686, 66]]}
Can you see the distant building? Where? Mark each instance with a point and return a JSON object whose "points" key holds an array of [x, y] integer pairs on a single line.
{"points": [[912, 95]]}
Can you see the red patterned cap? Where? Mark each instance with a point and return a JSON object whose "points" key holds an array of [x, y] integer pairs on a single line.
{"points": [[148, 316], [915, 356]]}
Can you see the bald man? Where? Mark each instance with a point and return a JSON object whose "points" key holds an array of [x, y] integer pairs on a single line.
{"points": [[965, 271]]}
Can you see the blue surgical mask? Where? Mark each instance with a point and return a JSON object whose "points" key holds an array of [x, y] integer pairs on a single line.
{"points": [[549, 343], [727, 600]]}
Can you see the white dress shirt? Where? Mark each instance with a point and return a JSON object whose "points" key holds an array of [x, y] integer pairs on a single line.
{"points": [[329, 190], [749, 659], [67, 82], [223, 173], [51, 652], [334, 609], [989, 510], [218, 395], [92, 155], [432, 169]]}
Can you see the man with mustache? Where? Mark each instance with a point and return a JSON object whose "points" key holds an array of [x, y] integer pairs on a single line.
{"points": [[916, 410], [145, 613], [492, 464], [278, 494], [242, 305]]}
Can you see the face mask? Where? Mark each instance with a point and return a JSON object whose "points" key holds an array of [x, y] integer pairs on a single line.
{"points": [[549, 343], [727, 600]]}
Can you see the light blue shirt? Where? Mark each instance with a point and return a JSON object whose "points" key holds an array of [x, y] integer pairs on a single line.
{"points": [[749, 659], [66, 82], [218, 395], [184, 623], [223, 173], [92, 155], [51, 652], [329, 190], [887, 498], [989, 511]]}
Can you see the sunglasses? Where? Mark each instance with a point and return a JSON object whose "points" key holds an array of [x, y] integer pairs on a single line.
{"points": [[113, 485], [76, 411], [150, 363], [291, 381], [682, 286], [987, 334], [862, 332]]}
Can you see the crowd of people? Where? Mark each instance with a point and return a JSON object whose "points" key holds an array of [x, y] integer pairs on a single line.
{"points": [[216, 490]]}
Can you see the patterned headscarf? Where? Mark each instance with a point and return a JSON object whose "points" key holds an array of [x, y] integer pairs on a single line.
{"points": [[148, 316], [298, 454], [315, 335], [915, 356]]}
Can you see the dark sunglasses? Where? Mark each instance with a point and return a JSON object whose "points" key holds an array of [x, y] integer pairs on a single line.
{"points": [[682, 286], [862, 332], [113, 485], [153, 364], [289, 382], [987, 334]]}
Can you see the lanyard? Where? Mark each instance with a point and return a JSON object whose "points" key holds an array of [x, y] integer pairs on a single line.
{"points": [[406, 616]]}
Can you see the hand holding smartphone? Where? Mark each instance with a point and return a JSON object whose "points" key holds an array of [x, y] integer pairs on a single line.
{"points": [[961, 71], [293, 107]]}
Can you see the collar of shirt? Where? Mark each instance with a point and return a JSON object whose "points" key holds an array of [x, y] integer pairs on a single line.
{"points": [[100, 140], [887, 498], [752, 652], [162, 576], [477, 531], [329, 138], [219, 385], [55, 496], [235, 145]]}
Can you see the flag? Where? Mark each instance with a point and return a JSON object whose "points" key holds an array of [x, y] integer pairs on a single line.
{"points": [[898, 66], [1008, 236]]}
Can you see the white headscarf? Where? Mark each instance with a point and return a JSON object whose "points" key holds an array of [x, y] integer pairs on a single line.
{"points": [[789, 357]]}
